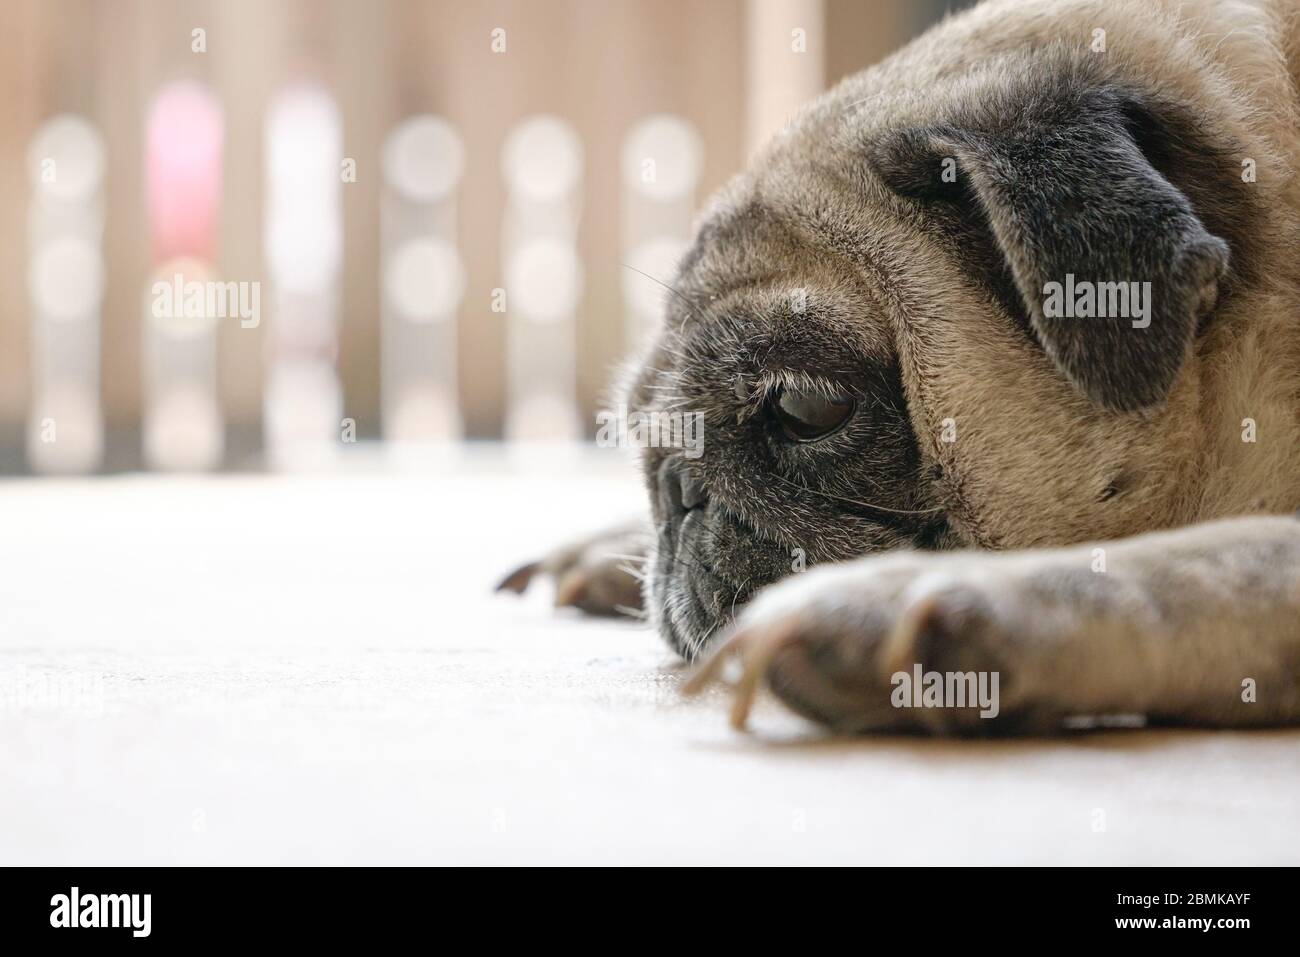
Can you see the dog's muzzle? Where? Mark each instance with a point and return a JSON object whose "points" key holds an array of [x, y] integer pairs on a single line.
{"points": [[707, 564]]}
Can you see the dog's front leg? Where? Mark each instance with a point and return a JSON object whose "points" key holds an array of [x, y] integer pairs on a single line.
{"points": [[1198, 625]]}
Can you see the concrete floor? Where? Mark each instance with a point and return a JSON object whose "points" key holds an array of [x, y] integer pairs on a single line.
{"points": [[314, 670]]}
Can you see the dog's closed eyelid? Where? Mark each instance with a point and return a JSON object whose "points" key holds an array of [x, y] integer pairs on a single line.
{"points": [[809, 416], [772, 381]]}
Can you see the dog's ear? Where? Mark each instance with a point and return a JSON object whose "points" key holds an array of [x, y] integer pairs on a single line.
{"points": [[1073, 206]]}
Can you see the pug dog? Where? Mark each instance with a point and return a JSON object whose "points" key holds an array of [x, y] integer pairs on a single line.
{"points": [[997, 353]]}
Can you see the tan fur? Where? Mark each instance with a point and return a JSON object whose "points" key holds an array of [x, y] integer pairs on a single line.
{"points": [[1200, 624], [1012, 479]]}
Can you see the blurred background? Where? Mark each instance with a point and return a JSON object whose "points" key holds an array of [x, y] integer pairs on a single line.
{"points": [[253, 233]]}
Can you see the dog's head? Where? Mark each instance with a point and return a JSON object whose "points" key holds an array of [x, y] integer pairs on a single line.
{"points": [[926, 319]]}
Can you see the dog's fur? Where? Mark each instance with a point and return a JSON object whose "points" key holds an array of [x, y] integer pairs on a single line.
{"points": [[845, 262]]}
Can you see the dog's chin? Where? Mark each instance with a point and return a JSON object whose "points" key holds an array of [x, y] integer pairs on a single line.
{"points": [[699, 578], [692, 608], [686, 624]]}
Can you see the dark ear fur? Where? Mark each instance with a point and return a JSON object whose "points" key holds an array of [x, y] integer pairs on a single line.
{"points": [[1065, 190]]}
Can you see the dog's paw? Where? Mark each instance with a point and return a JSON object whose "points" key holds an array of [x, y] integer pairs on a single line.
{"points": [[598, 575], [854, 647]]}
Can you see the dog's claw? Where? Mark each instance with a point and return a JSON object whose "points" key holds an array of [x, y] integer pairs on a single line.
{"points": [[756, 647], [519, 579]]}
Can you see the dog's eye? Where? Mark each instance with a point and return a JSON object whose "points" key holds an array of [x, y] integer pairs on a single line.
{"points": [[809, 416]]}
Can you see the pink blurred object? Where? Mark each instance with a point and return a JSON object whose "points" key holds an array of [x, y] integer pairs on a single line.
{"points": [[183, 171]]}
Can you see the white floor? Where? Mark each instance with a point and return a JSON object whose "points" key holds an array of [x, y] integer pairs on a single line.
{"points": [[315, 670]]}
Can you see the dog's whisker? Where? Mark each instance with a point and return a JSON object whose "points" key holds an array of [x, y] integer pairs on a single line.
{"points": [[851, 501], [689, 305], [739, 592], [636, 574]]}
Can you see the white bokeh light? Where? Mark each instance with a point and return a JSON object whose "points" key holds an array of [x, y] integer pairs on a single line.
{"points": [[424, 158], [183, 429], [65, 161], [66, 278], [662, 157], [64, 435], [424, 412], [303, 406], [304, 240], [303, 252], [304, 145], [544, 277], [424, 280], [542, 159]]}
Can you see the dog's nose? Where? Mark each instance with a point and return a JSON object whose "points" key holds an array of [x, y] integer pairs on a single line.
{"points": [[679, 491]]}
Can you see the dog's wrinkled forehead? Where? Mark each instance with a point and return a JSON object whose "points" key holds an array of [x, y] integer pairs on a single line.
{"points": [[759, 299]]}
